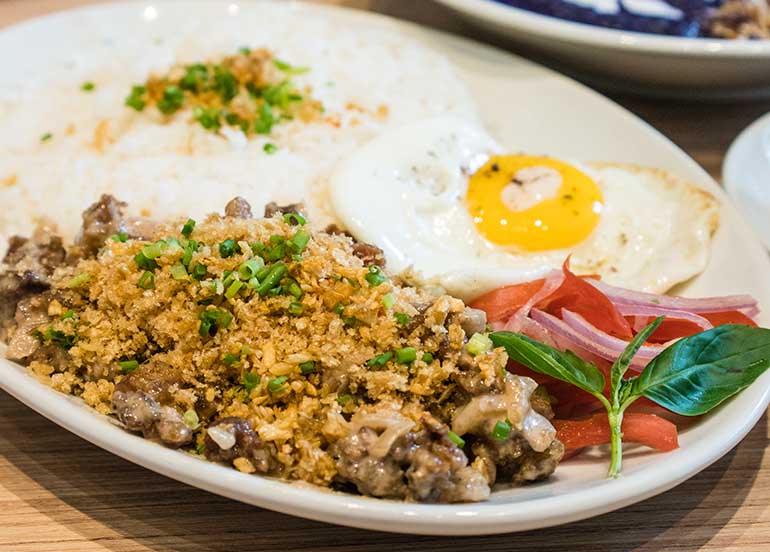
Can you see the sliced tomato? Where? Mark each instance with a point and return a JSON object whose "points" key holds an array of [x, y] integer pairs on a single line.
{"points": [[728, 317], [580, 297], [672, 328], [646, 429], [500, 304]]}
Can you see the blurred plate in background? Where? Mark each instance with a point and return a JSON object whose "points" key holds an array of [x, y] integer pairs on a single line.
{"points": [[642, 63], [746, 175]]}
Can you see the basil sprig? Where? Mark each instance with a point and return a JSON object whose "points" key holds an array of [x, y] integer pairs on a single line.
{"points": [[690, 377]]}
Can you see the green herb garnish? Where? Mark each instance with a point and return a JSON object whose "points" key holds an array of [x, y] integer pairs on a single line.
{"points": [[375, 277], [380, 360], [269, 148], [401, 318], [228, 248], [128, 366], [87, 86], [456, 439], [275, 385], [250, 382], [307, 367], [45, 137], [136, 99], [690, 377], [406, 355], [188, 228], [212, 321], [146, 280], [501, 431], [121, 237]]}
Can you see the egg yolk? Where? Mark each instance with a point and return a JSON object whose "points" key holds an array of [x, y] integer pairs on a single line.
{"points": [[533, 203]]}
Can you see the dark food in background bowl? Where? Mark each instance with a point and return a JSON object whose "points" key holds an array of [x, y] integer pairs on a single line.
{"points": [[687, 18]]}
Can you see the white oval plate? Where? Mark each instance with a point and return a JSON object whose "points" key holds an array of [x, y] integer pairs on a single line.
{"points": [[635, 62], [526, 108], [746, 174]]}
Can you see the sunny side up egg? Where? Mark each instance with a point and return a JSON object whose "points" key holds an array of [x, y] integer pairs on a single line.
{"points": [[440, 198]]}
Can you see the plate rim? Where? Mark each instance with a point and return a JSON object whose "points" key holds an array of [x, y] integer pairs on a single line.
{"points": [[363, 512], [614, 39]]}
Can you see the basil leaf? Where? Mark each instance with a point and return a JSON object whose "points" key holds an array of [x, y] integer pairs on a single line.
{"points": [[696, 373], [624, 360], [564, 366]]}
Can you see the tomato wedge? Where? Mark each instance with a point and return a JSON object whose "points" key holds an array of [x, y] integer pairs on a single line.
{"points": [[580, 297], [646, 429], [500, 304], [728, 317]]}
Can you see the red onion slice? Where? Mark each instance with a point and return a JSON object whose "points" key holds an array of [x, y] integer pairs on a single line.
{"points": [[614, 344], [703, 305], [600, 344], [656, 310]]}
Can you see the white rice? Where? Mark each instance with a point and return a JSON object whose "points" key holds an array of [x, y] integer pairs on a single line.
{"points": [[179, 168]]}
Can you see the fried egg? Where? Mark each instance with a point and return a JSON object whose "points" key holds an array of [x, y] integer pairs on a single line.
{"points": [[443, 199]]}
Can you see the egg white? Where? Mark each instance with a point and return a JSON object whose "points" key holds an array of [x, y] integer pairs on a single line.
{"points": [[404, 191]]}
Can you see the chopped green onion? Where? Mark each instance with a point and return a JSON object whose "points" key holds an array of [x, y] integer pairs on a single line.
{"points": [[121, 237], [254, 283], [45, 137], [307, 367], [79, 280], [199, 271], [380, 360], [128, 366], [402, 318], [275, 385], [292, 287], [479, 343], [299, 240], [388, 300], [228, 248], [67, 315], [406, 355], [234, 288], [501, 431], [245, 50], [295, 219], [136, 99], [146, 280], [231, 359], [250, 381], [456, 439], [349, 321], [191, 419], [65, 341], [229, 277], [212, 321], [289, 69], [339, 308], [277, 271], [87, 86], [188, 228], [296, 308], [276, 291], [172, 100], [144, 263], [249, 269], [269, 148], [342, 400], [208, 117], [427, 358], [375, 277], [178, 272], [154, 250], [265, 121]]}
